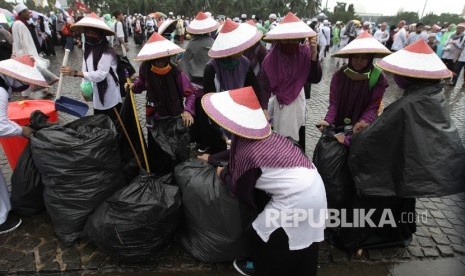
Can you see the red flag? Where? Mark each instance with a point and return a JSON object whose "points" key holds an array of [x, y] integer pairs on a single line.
{"points": [[82, 7]]}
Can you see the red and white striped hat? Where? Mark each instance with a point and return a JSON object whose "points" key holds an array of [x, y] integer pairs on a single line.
{"points": [[291, 27], [22, 68], [234, 38], [167, 23], [364, 44], [157, 47], [238, 111], [202, 24], [417, 61], [92, 21]]}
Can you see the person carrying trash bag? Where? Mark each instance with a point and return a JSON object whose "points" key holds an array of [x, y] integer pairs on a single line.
{"points": [[269, 162], [16, 74], [356, 92], [99, 66], [137, 222], [412, 150], [169, 106]]}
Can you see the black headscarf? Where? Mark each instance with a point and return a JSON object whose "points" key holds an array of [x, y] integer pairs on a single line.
{"points": [[164, 91]]}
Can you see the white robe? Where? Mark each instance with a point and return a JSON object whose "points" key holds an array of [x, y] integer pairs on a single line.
{"points": [[23, 44], [7, 128]]}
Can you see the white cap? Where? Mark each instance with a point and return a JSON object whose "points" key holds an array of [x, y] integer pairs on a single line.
{"points": [[272, 16], [326, 22], [243, 16], [20, 7], [209, 14], [314, 19], [170, 13], [236, 19]]}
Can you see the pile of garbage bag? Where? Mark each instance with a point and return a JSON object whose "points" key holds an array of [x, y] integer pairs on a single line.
{"points": [[80, 168]]}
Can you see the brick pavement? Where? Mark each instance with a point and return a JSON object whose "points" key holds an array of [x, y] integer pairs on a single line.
{"points": [[33, 247]]}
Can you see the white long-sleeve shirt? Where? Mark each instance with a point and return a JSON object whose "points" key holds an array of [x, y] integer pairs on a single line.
{"points": [[112, 95], [23, 44], [7, 127], [400, 40], [381, 36]]}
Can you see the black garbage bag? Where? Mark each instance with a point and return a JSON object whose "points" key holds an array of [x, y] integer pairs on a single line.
{"points": [[137, 222], [80, 168], [171, 140], [26, 182], [394, 222], [330, 158], [26, 186], [215, 222]]}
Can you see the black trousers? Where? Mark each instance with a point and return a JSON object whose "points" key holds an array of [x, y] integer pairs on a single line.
{"points": [[275, 258]]}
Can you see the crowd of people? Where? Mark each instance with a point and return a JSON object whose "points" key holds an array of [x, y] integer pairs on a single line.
{"points": [[238, 92]]}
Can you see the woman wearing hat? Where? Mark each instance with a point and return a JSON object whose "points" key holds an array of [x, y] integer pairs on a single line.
{"points": [[193, 65], [99, 65], [292, 182], [412, 150], [229, 69], [356, 91], [352, 102], [286, 69], [16, 74], [170, 103]]}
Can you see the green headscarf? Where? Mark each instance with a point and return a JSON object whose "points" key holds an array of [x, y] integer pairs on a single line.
{"points": [[451, 30]]}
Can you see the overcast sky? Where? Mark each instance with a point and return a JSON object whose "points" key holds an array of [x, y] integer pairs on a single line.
{"points": [[391, 7]]}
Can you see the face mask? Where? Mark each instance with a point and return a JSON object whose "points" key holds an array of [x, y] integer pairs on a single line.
{"points": [[401, 81], [228, 63], [289, 48], [92, 40]]}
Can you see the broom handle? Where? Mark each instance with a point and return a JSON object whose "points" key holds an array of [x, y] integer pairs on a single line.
{"points": [[60, 82], [127, 137], [131, 95]]}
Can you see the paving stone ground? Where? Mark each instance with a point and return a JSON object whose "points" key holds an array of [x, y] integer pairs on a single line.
{"points": [[33, 247]]}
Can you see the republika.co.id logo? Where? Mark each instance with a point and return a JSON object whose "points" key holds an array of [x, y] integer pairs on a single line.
{"points": [[341, 217]]}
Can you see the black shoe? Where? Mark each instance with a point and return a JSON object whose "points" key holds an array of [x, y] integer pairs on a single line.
{"points": [[12, 222], [244, 267]]}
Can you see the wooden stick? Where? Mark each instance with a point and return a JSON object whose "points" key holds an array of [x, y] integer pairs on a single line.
{"points": [[131, 95]]}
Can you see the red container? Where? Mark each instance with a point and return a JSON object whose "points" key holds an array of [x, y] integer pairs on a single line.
{"points": [[20, 112]]}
